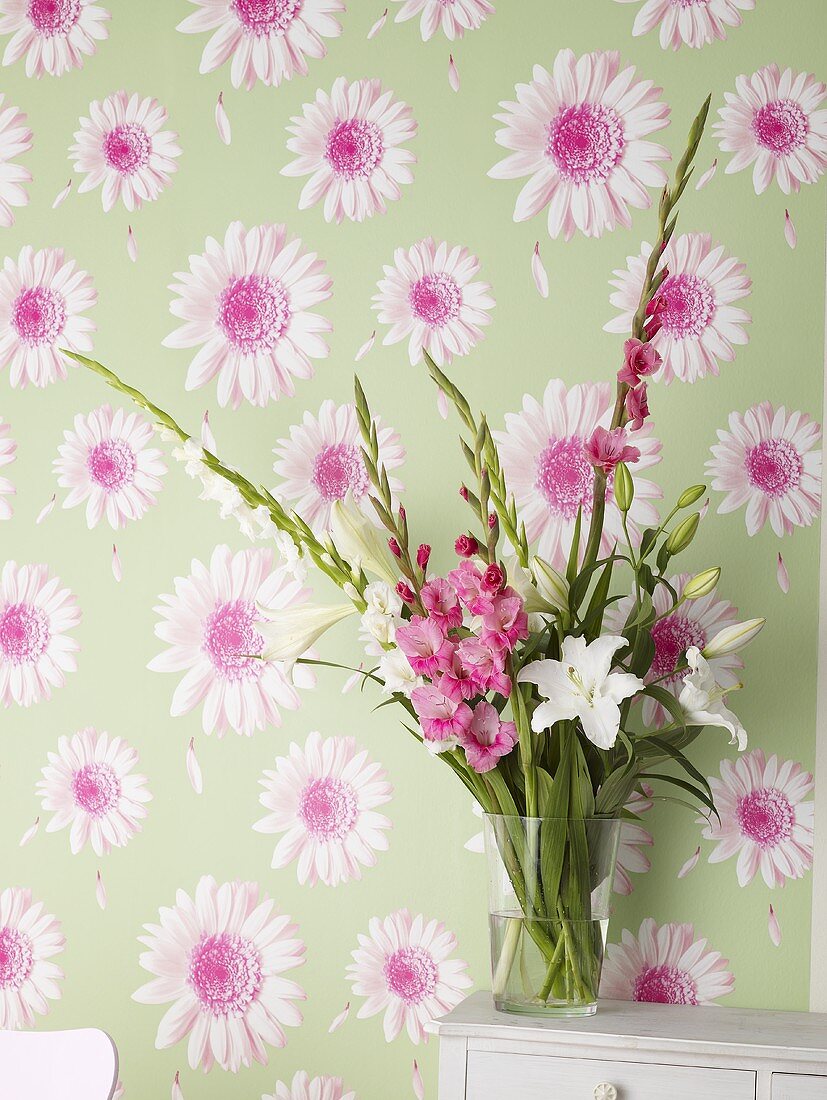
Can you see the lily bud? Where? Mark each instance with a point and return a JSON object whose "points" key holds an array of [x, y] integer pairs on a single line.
{"points": [[358, 541], [292, 631], [732, 638], [550, 584], [624, 487], [690, 495], [683, 534], [702, 584]]}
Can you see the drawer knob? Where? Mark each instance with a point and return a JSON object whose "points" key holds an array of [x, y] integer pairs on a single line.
{"points": [[605, 1092]]}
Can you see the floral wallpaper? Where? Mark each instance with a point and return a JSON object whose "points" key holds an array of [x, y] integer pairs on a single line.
{"points": [[260, 886]]}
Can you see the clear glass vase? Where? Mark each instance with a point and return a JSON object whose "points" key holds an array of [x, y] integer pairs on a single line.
{"points": [[550, 886]]}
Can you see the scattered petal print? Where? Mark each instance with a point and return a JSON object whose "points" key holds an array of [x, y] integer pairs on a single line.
{"points": [[776, 120], [378, 25], [693, 23], [15, 141], [790, 235], [247, 305], [418, 1086], [453, 19], [691, 863], [453, 73], [36, 650], [270, 42], [54, 35], [194, 769], [222, 120], [352, 680], [339, 1020], [545, 464], [324, 799], [131, 245], [782, 576], [62, 196], [578, 133], [303, 1088], [764, 818], [106, 462], [365, 348], [100, 891], [119, 1092], [476, 843], [117, 568], [442, 404], [30, 833], [700, 326], [8, 452], [322, 462], [633, 839], [123, 149], [46, 510], [43, 299], [220, 959], [210, 625], [707, 176], [176, 1093], [774, 928], [403, 968], [768, 460], [665, 964], [430, 296], [538, 272], [29, 940], [207, 438], [703, 510], [350, 142], [91, 787]]}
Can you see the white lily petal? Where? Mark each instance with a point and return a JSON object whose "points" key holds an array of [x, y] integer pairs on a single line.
{"points": [[292, 631], [358, 541]]}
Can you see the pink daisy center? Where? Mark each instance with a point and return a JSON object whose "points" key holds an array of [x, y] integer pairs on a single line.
{"points": [[337, 469], [436, 299], [666, 985], [225, 974], [411, 974], [265, 17], [16, 958], [51, 18], [96, 789], [38, 315], [111, 464], [585, 142], [231, 640], [354, 148], [565, 477], [127, 148], [774, 466], [688, 305], [328, 808], [766, 817], [253, 313], [24, 633], [781, 126], [672, 637]]}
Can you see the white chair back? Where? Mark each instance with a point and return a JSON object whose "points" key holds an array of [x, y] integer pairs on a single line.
{"points": [[57, 1065]]}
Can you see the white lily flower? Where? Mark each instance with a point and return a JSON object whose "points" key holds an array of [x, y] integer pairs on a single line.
{"points": [[292, 631], [397, 673], [703, 700], [734, 637], [358, 541], [582, 686]]}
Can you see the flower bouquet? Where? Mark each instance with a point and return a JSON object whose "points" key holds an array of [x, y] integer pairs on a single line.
{"points": [[519, 673]]}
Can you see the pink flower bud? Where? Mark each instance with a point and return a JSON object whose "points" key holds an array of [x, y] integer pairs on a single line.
{"points": [[493, 580], [403, 515], [406, 592], [463, 492], [492, 520], [422, 555], [637, 406], [640, 360], [466, 546], [654, 311], [394, 547]]}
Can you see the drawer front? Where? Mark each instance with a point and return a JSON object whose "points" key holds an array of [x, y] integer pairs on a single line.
{"points": [[494, 1076], [795, 1086]]}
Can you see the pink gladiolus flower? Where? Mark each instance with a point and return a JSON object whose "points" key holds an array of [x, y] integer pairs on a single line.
{"points": [[506, 623], [637, 406], [440, 601], [423, 555], [605, 448], [457, 681], [493, 580], [467, 580], [655, 315], [441, 717], [424, 644], [466, 546], [485, 664], [640, 361], [487, 738]]}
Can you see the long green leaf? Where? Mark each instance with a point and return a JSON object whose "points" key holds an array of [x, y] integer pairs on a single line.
{"points": [[702, 796]]}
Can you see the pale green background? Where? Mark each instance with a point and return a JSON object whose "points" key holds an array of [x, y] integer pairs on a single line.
{"points": [[529, 341]]}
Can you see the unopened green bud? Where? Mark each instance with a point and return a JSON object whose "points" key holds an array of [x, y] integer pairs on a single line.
{"points": [[550, 584], [734, 637], [624, 487], [702, 584], [690, 495], [683, 534]]}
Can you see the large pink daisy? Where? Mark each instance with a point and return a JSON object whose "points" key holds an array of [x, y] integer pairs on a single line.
{"points": [[43, 299], [54, 35], [545, 465], [124, 147], [323, 797], [220, 959], [29, 939], [667, 965], [106, 461], [776, 119], [89, 785], [247, 306], [432, 297], [210, 625], [631, 859], [764, 818], [268, 40], [36, 650], [350, 143], [700, 326], [692, 23], [453, 17], [8, 450], [15, 140], [578, 133], [322, 462], [403, 968], [768, 461], [303, 1088]]}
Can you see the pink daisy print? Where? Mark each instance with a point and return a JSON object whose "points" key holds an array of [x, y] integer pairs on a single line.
{"points": [[550, 477], [665, 964], [8, 450], [765, 818], [324, 799], [777, 121], [29, 940], [432, 297], [268, 40], [106, 461], [302, 1088], [53, 35], [124, 147], [43, 299], [693, 23], [768, 460], [90, 785], [700, 325], [220, 958], [453, 17], [350, 142], [246, 304], [631, 859], [321, 463], [210, 625], [403, 968], [578, 133], [36, 650], [15, 141]]}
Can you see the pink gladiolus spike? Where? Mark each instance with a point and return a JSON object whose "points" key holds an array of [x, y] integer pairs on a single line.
{"points": [[442, 404], [790, 234], [194, 768], [46, 510], [539, 272], [453, 73], [691, 863], [782, 576], [365, 348], [207, 437], [131, 245], [340, 1019], [378, 25], [707, 176], [100, 891], [774, 928], [62, 196], [177, 1092], [30, 833], [222, 120], [637, 407], [117, 568], [418, 1085], [604, 448]]}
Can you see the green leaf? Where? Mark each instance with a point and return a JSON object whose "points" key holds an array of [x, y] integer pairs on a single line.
{"points": [[668, 701], [647, 541], [574, 550], [702, 796], [645, 614], [597, 604], [679, 759]]}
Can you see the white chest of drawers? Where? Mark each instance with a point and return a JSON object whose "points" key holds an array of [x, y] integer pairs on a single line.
{"points": [[632, 1052]]}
